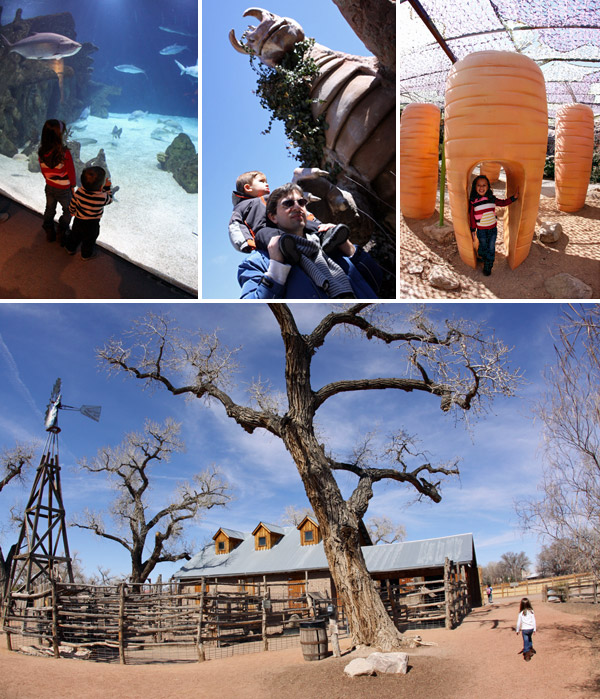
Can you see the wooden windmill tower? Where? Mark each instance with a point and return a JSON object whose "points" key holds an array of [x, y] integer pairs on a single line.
{"points": [[42, 545]]}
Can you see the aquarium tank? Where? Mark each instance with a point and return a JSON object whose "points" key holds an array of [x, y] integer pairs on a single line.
{"points": [[123, 76]]}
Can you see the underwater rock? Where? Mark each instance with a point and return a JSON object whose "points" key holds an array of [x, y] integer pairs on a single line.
{"points": [[100, 98], [181, 160]]}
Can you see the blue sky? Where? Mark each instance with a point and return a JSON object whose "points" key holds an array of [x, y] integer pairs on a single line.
{"points": [[232, 121], [499, 455]]}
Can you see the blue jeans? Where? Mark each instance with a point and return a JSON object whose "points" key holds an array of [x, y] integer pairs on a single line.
{"points": [[487, 245], [55, 196], [527, 644]]}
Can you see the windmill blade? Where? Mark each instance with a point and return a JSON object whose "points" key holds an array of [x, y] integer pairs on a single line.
{"points": [[91, 411]]}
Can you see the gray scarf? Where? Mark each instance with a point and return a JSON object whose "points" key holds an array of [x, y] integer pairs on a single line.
{"points": [[322, 270]]}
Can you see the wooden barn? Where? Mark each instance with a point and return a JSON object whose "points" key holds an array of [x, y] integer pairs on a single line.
{"points": [[416, 579]]}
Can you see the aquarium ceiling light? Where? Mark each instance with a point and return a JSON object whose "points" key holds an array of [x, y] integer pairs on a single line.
{"points": [[562, 38]]}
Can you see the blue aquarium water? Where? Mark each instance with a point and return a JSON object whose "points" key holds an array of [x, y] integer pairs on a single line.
{"points": [[129, 91]]}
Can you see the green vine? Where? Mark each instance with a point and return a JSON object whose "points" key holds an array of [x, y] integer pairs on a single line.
{"points": [[285, 91]]}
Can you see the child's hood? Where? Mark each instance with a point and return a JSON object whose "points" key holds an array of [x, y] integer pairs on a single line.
{"points": [[237, 198]]}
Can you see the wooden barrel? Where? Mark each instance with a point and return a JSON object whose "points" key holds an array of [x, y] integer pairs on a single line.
{"points": [[313, 640]]}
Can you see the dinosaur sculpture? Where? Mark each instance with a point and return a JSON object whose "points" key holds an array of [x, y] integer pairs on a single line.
{"points": [[357, 98]]}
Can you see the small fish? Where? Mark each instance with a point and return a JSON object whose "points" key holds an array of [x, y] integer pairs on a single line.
{"points": [[84, 114], [116, 132], [126, 68], [79, 125], [44, 46], [192, 71], [174, 31], [160, 134], [138, 114], [85, 141], [170, 124], [172, 50]]}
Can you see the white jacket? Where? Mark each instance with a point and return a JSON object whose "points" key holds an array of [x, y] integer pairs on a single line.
{"points": [[526, 621]]}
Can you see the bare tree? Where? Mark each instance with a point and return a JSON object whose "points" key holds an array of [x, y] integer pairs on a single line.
{"points": [[294, 515], [560, 558], [569, 504], [14, 465], [457, 364], [512, 566], [383, 530], [129, 467]]}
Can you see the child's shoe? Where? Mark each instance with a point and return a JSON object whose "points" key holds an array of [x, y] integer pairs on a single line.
{"points": [[334, 237], [50, 232], [287, 247]]}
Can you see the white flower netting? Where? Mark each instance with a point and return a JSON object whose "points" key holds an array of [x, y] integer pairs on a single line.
{"points": [[562, 36]]}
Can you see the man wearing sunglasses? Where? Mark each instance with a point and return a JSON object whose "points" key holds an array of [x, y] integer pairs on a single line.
{"points": [[295, 265]]}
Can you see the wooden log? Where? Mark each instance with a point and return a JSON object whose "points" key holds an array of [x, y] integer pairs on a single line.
{"points": [[199, 645], [122, 659], [447, 593], [55, 638]]}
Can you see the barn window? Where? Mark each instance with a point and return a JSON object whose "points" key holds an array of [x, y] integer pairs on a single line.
{"points": [[221, 546], [262, 540], [308, 536]]}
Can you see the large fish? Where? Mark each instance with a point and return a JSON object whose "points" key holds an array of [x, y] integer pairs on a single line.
{"points": [[126, 68], [190, 70], [172, 50], [44, 46]]}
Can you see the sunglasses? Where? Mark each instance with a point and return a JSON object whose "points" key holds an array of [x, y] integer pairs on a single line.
{"points": [[288, 203]]}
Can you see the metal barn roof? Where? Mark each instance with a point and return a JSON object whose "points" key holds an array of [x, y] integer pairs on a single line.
{"points": [[288, 555]]}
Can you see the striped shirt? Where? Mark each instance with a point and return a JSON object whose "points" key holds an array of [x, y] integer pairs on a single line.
{"points": [[63, 175], [482, 211], [89, 205]]}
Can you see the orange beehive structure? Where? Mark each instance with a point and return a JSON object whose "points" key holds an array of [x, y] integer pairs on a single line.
{"points": [[496, 110], [419, 156], [574, 150], [490, 170]]}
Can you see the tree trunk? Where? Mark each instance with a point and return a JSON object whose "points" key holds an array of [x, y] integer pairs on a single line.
{"points": [[369, 621], [374, 23]]}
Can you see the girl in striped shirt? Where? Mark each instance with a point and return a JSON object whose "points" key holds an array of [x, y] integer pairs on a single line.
{"points": [[482, 216], [58, 169]]}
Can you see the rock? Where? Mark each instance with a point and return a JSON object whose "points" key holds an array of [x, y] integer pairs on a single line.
{"points": [[358, 667], [390, 663], [566, 286], [441, 234], [415, 268], [181, 160], [383, 663], [441, 278], [550, 231]]}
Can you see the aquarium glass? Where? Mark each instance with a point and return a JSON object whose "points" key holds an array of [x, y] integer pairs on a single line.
{"points": [[126, 95]]}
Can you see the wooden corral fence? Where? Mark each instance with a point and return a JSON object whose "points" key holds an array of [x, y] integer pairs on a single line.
{"points": [[525, 588], [582, 589], [420, 605], [142, 623]]}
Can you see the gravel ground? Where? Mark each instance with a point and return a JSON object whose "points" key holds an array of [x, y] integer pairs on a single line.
{"points": [[478, 659]]}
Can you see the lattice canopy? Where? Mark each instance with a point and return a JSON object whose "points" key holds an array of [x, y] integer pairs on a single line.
{"points": [[561, 36]]}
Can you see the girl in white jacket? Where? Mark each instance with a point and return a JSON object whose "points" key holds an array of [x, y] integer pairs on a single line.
{"points": [[526, 624]]}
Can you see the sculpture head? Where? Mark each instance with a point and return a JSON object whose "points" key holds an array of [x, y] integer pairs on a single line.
{"points": [[271, 40]]}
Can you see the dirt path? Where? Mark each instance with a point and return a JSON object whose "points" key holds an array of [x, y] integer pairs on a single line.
{"points": [[577, 252], [479, 659]]}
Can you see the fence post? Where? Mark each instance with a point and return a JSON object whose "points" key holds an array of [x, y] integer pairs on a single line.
{"points": [[447, 593], [7, 605], [55, 643], [265, 603], [199, 644], [122, 624]]}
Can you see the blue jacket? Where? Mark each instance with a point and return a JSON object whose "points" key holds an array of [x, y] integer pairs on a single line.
{"points": [[362, 270]]}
